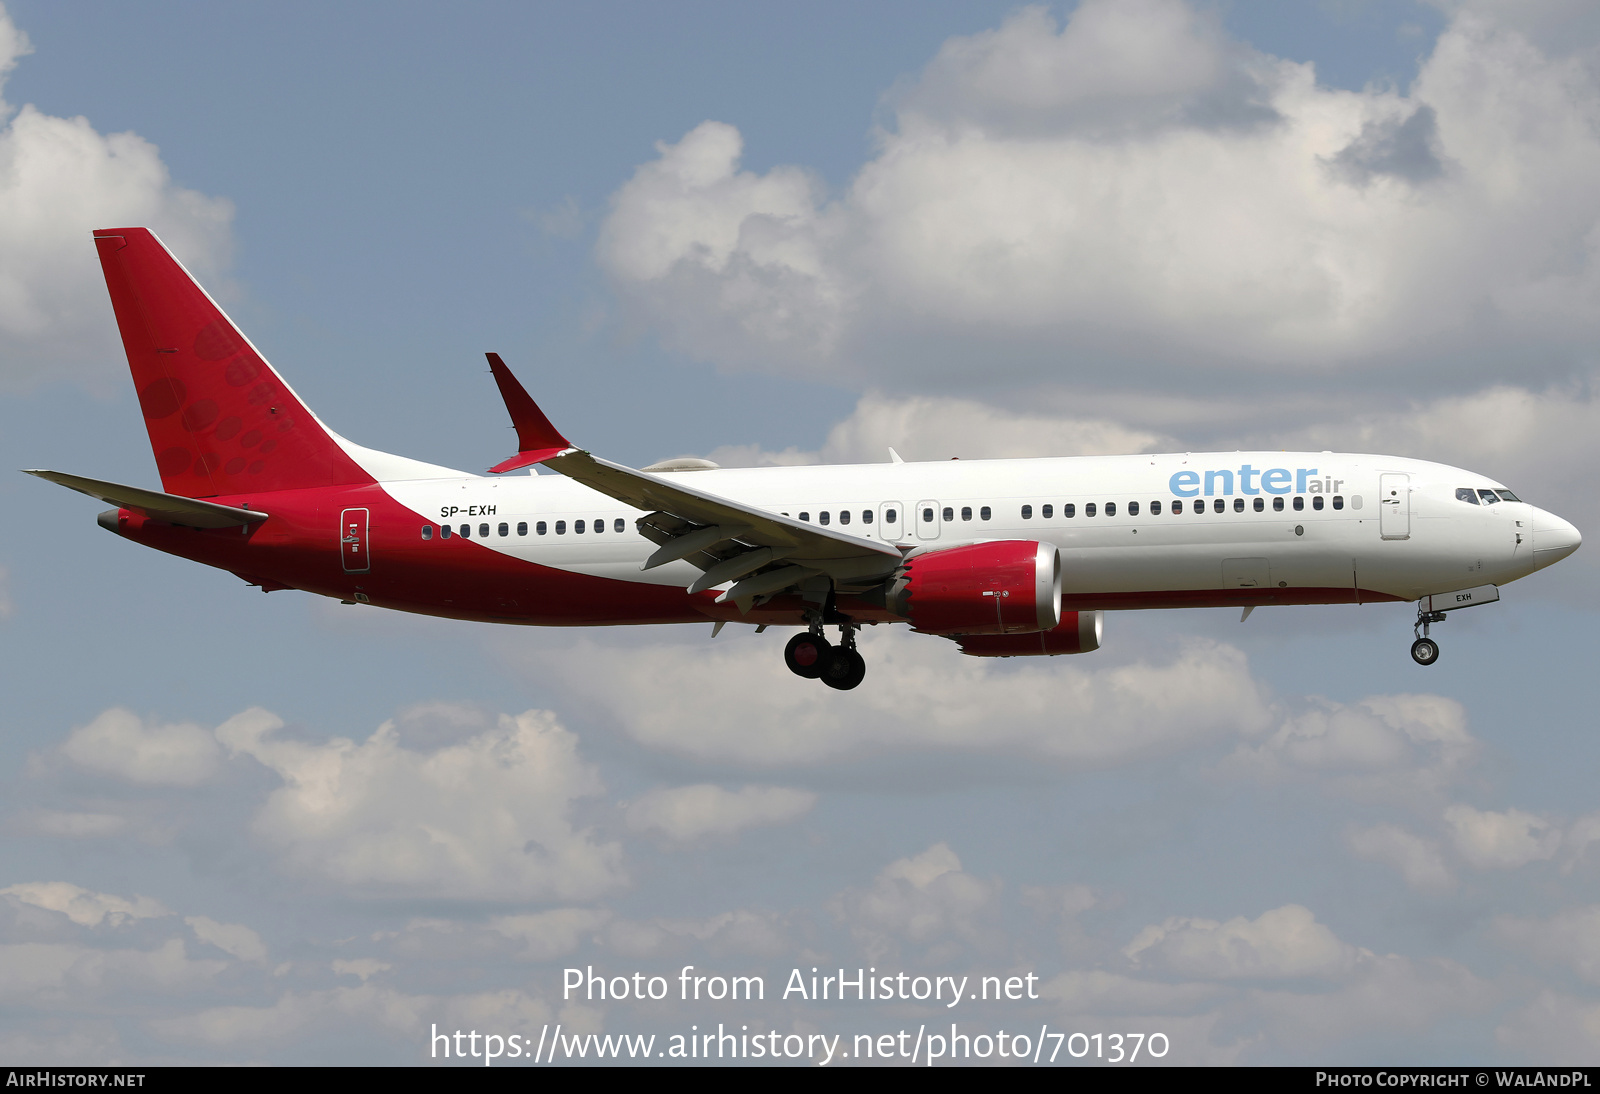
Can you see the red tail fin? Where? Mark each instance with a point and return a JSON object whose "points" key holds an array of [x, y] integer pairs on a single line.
{"points": [[221, 421]]}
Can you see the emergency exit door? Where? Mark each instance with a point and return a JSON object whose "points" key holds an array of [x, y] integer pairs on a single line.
{"points": [[353, 540]]}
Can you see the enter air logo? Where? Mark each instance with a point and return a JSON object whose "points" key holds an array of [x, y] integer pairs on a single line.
{"points": [[1251, 480]]}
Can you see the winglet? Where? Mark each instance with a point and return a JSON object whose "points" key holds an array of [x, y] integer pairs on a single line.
{"points": [[537, 439]]}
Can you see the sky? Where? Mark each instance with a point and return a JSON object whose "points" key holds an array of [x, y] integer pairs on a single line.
{"points": [[238, 828]]}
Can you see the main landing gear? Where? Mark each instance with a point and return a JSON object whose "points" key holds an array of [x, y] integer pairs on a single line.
{"points": [[1425, 651], [811, 655]]}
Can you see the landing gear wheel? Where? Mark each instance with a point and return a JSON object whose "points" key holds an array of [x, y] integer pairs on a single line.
{"points": [[1424, 651], [806, 654], [843, 669]]}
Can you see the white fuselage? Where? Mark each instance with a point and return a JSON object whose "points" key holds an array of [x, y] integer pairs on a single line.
{"points": [[1399, 530]]}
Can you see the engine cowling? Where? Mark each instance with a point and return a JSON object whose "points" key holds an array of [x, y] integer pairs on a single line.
{"points": [[1002, 587], [1078, 632]]}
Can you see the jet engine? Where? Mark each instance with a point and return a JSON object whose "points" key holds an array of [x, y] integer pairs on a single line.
{"points": [[1078, 632], [1002, 587]]}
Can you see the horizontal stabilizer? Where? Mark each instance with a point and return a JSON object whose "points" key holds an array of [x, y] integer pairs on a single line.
{"points": [[190, 512], [537, 439]]}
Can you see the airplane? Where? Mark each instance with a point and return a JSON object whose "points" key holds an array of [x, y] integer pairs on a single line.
{"points": [[1008, 558]]}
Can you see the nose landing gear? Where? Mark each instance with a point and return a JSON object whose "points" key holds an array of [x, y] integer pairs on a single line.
{"points": [[810, 655], [1425, 651]]}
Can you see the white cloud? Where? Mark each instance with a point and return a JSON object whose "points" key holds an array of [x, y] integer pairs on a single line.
{"points": [[1284, 942], [484, 818], [741, 932], [687, 813], [82, 906], [936, 428], [547, 935], [1570, 939], [1419, 860], [1156, 198], [925, 900], [50, 975], [1096, 991], [60, 180], [1384, 745], [120, 744], [363, 968], [233, 938], [1500, 841], [1554, 1026], [921, 694]]}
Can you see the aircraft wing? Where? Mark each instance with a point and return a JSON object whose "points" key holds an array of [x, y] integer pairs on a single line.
{"points": [[763, 553], [190, 512]]}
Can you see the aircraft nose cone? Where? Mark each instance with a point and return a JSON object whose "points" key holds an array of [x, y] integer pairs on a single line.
{"points": [[1553, 539]]}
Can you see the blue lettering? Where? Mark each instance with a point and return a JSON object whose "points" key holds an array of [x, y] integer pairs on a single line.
{"points": [[1244, 480], [1300, 478], [1185, 484], [1211, 482], [1275, 481]]}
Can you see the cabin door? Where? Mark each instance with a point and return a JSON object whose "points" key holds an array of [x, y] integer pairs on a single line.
{"points": [[353, 540]]}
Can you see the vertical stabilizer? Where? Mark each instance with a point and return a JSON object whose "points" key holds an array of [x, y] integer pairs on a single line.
{"points": [[221, 421]]}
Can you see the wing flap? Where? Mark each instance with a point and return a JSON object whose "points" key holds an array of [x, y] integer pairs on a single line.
{"points": [[190, 512]]}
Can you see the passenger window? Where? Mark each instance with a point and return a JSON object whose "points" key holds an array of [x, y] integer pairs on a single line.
{"points": [[1133, 508], [822, 517], [1260, 505], [949, 514], [541, 527], [1155, 509], [1238, 505], [1316, 501], [599, 526], [1467, 494], [1177, 507], [866, 516], [1488, 497], [619, 525], [844, 516], [444, 531], [1299, 504], [1219, 505], [1047, 511], [927, 516], [1111, 508], [983, 514], [1027, 512], [427, 531], [1277, 505], [466, 531], [561, 527], [1338, 501], [1089, 509], [966, 512], [1069, 510], [1355, 501], [483, 531], [504, 529], [522, 527], [805, 516], [577, 527], [891, 515]]}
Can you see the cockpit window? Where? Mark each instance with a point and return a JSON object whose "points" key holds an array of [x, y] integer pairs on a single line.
{"points": [[1488, 497], [1467, 494], [1506, 495]]}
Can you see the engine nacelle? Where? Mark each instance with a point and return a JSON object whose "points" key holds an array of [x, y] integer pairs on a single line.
{"points": [[1003, 587], [1079, 632]]}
